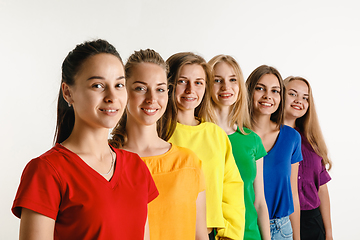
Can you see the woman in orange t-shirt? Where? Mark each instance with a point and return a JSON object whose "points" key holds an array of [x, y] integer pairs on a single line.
{"points": [[179, 211]]}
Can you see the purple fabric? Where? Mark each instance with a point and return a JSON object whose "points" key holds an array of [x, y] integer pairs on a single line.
{"points": [[312, 174]]}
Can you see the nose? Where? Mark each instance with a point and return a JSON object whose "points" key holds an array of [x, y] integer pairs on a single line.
{"points": [[224, 85], [188, 87], [266, 95], [110, 95], [150, 97]]}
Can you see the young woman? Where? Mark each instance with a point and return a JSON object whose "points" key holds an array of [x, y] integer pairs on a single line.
{"points": [[283, 146], [229, 102], [300, 113], [225, 208], [179, 211], [82, 188]]}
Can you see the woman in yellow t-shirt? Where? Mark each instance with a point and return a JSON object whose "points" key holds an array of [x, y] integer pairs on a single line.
{"points": [[179, 212], [225, 209]]}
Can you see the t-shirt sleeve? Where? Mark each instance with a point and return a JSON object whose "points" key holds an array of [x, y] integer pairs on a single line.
{"points": [[297, 155], [39, 189], [152, 189], [260, 150], [324, 176]]}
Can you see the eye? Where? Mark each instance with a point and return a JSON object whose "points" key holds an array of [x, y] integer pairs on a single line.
{"points": [[161, 90], [233, 80], [199, 83], [259, 88], [292, 94], [275, 91], [97, 85], [139, 88], [217, 80], [120, 85], [306, 99], [180, 81]]}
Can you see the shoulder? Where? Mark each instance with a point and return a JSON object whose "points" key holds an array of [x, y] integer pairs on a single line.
{"points": [[290, 132], [186, 155]]}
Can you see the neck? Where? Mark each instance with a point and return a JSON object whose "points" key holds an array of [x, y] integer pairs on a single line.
{"points": [[222, 115], [85, 139], [187, 117], [290, 122], [263, 124], [144, 139]]}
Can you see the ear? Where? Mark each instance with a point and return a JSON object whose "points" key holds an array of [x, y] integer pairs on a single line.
{"points": [[66, 91]]}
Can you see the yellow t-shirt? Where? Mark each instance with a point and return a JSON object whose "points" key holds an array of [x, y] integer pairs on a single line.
{"points": [[225, 208], [179, 179]]}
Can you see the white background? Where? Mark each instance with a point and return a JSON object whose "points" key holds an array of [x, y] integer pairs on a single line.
{"points": [[318, 40]]}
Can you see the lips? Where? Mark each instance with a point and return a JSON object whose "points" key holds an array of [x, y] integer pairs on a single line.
{"points": [[226, 95], [150, 111], [296, 107], [265, 104], [108, 110], [190, 99]]}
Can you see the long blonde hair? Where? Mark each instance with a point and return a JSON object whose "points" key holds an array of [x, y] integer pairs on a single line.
{"points": [[310, 127], [239, 111]]}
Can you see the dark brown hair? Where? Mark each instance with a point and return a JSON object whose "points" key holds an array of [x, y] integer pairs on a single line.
{"points": [[70, 67]]}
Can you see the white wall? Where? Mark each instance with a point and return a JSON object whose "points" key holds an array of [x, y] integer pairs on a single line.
{"points": [[315, 39]]}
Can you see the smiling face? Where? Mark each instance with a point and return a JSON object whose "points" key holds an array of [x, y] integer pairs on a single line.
{"points": [[225, 87], [296, 99], [266, 98], [148, 94], [98, 95], [190, 87]]}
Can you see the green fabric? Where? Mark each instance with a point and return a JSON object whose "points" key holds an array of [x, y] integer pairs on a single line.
{"points": [[247, 149]]}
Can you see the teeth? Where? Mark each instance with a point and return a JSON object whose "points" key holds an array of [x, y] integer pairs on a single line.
{"points": [[266, 104], [296, 107], [187, 98], [109, 110], [149, 110], [225, 95]]}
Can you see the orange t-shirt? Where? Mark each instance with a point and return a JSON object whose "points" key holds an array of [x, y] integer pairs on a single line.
{"points": [[179, 179]]}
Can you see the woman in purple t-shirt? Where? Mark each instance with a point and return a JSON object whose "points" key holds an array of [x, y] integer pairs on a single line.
{"points": [[315, 221]]}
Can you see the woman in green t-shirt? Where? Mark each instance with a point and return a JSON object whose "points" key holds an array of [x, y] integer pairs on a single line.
{"points": [[229, 103]]}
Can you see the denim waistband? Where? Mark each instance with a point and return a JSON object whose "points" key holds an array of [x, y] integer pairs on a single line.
{"points": [[278, 222]]}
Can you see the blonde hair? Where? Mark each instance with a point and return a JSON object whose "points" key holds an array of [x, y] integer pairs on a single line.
{"points": [[239, 111], [310, 127], [167, 123], [176, 62]]}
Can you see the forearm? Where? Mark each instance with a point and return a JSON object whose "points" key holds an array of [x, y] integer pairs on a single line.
{"points": [[263, 221], [325, 210], [295, 220]]}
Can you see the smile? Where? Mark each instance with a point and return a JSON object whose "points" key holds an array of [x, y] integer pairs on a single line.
{"points": [[296, 107], [266, 104], [149, 110], [108, 110], [189, 98], [226, 95]]}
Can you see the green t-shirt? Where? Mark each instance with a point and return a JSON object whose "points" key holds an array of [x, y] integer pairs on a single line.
{"points": [[247, 149]]}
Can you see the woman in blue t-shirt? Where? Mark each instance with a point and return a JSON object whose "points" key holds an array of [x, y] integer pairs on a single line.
{"points": [[283, 146]]}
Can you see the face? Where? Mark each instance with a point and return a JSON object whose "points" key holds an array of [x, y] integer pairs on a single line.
{"points": [[98, 95], [225, 88], [296, 99], [148, 94], [190, 87], [267, 97]]}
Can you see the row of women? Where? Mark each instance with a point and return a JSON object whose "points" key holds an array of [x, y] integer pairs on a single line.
{"points": [[195, 153]]}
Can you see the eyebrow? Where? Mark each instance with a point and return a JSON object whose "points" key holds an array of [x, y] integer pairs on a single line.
{"points": [[144, 83], [305, 94], [199, 78], [102, 78]]}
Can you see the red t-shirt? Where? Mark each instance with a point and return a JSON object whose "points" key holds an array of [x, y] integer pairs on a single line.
{"points": [[84, 205]]}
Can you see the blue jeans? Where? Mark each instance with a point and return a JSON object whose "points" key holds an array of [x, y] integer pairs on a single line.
{"points": [[280, 228]]}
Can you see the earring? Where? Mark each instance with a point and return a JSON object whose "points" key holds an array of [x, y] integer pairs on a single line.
{"points": [[69, 104]]}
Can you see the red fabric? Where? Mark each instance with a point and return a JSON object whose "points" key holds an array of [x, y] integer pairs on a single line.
{"points": [[58, 184]]}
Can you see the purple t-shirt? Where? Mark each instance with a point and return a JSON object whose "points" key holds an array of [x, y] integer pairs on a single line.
{"points": [[312, 174]]}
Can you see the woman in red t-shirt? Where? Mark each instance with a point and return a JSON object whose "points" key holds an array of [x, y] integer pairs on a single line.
{"points": [[82, 188]]}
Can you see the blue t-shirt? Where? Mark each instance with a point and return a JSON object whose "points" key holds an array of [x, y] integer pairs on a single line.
{"points": [[277, 172]]}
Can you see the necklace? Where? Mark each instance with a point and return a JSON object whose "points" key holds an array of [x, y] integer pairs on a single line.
{"points": [[112, 164]]}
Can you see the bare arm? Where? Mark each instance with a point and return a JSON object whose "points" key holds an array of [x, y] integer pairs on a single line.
{"points": [[35, 226], [201, 229], [147, 230], [295, 216], [325, 210], [260, 203]]}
